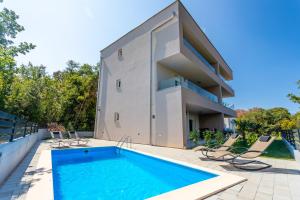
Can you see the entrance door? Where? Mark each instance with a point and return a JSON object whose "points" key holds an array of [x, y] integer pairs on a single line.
{"points": [[191, 125]]}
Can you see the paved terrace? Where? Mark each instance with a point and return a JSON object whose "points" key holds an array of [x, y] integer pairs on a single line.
{"points": [[280, 182]]}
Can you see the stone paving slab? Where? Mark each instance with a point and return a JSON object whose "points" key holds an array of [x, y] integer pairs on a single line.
{"points": [[282, 181]]}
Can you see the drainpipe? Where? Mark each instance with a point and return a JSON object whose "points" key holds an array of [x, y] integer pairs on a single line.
{"points": [[151, 63], [98, 98]]}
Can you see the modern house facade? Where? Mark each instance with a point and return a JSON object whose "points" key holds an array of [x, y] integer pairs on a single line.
{"points": [[162, 80]]}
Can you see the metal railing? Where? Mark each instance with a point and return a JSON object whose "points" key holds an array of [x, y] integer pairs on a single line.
{"points": [[124, 139], [228, 105], [13, 127], [293, 137]]}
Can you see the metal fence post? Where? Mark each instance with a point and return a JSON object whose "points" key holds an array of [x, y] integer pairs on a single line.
{"points": [[24, 134], [13, 130], [31, 128]]}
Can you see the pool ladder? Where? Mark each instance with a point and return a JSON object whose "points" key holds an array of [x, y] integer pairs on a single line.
{"points": [[122, 141]]}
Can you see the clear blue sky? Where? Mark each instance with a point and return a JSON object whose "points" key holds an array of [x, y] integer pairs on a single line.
{"points": [[259, 39]]}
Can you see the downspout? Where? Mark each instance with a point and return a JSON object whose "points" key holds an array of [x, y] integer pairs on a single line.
{"points": [[151, 63], [98, 98]]}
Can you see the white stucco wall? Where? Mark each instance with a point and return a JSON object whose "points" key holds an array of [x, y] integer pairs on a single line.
{"points": [[164, 73], [84, 134], [132, 101], [169, 122], [12, 153]]}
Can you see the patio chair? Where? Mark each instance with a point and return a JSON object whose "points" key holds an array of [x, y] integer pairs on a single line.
{"points": [[58, 141], [206, 151], [257, 149], [75, 138]]}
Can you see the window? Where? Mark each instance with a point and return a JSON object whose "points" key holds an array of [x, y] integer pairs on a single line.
{"points": [[116, 116], [118, 84], [191, 125], [120, 53]]}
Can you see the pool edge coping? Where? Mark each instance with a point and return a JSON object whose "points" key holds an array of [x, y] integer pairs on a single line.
{"points": [[200, 190]]}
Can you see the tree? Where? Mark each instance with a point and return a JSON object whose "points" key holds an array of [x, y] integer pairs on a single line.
{"points": [[67, 97], [79, 89], [294, 98], [258, 121], [9, 28]]}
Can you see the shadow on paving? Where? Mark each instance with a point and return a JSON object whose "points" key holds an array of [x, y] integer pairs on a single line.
{"points": [[273, 170], [19, 181]]}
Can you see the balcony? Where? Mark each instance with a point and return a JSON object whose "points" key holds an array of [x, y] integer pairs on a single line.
{"points": [[198, 54], [180, 81], [189, 45]]}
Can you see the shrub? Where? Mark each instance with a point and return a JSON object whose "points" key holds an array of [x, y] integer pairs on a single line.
{"points": [[207, 137], [251, 138], [194, 136], [219, 138]]}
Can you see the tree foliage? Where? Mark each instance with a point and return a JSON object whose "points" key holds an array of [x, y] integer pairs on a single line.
{"points": [[9, 28], [67, 97], [258, 121], [294, 98]]}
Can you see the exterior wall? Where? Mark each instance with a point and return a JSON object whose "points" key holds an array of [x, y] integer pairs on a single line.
{"points": [[212, 121], [132, 100], [153, 40], [85, 134], [169, 126], [12, 153], [153, 52], [164, 73]]}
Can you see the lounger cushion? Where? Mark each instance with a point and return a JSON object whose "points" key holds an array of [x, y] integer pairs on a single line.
{"points": [[233, 136], [265, 138]]}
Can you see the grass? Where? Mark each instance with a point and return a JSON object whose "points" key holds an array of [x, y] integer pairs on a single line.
{"points": [[277, 149]]}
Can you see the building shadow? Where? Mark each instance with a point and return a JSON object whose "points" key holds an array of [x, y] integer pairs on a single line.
{"points": [[271, 170], [19, 181]]}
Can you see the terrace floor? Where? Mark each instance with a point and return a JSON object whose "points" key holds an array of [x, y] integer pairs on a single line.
{"points": [[280, 182]]}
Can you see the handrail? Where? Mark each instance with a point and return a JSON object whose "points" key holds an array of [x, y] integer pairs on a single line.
{"points": [[119, 141], [124, 139]]}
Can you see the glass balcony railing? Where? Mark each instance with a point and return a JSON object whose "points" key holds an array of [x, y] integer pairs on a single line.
{"points": [[180, 81], [224, 80], [198, 54], [228, 105], [201, 57]]}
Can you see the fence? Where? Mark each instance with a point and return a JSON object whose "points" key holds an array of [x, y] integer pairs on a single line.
{"points": [[293, 137], [13, 127]]}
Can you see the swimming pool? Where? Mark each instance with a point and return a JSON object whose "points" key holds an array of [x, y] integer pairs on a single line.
{"points": [[110, 173]]}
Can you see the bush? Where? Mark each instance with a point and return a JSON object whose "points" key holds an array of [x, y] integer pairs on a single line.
{"points": [[207, 137], [219, 138], [194, 136], [251, 138]]}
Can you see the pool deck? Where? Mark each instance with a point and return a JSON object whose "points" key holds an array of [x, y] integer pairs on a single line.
{"points": [[282, 181]]}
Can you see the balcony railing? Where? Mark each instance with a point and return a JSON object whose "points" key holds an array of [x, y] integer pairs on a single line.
{"points": [[228, 105], [198, 54], [225, 81], [180, 81], [201, 57]]}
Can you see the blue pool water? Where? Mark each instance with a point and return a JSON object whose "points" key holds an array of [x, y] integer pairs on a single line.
{"points": [[104, 173]]}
